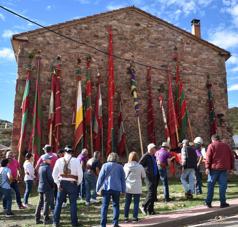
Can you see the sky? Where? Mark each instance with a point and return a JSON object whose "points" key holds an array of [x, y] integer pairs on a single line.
{"points": [[219, 25]]}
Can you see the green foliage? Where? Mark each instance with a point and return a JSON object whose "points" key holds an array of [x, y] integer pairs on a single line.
{"points": [[233, 119]]}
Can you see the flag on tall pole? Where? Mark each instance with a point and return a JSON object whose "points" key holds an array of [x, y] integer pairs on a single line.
{"points": [[172, 120], [181, 105], [88, 104], [111, 91], [132, 73], [166, 129], [121, 144], [78, 131], [37, 115], [150, 110], [212, 116], [97, 123], [54, 119], [25, 110]]}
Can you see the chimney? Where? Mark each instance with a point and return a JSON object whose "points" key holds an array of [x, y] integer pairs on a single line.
{"points": [[196, 28]]}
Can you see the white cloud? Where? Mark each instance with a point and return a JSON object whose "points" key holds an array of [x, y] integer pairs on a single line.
{"points": [[232, 60], [7, 54], [83, 1], [2, 17], [225, 38], [114, 7], [235, 69], [48, 8], [233, 87], [231, 7], [8, 33]]}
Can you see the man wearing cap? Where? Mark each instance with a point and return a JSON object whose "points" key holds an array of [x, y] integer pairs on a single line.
{"points": [[67, 174], [163, 158], [189, 164], [219, 160], [148, 161], [14, 166], [47, 150], [45, 189]]}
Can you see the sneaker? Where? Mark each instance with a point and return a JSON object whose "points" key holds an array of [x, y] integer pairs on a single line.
{"points": [[64, 205], [126, 220], [135, 220], [9, 214], [38, 222], [224, 205], [47, 222], [87, 203], [24, 205], [21, 207], [208, 205], [168, 200], [93, 201], [152, 213], [143, 210]]}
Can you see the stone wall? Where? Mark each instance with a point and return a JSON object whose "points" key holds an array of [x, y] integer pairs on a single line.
{"points": [[151, 42]]}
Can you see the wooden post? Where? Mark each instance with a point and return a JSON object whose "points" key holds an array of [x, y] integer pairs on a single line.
{"points": [[140, 136]]}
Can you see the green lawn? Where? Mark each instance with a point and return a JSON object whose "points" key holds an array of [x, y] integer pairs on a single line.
{"points": [[90, 216]]}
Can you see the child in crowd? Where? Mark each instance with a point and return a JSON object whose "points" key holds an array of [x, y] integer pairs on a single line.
{"points": [[5, 188]]}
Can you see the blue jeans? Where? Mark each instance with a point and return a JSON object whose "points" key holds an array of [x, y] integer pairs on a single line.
{"points": [[6, 199], [190, 184], [106, 197], [198, 181], [45, 199], [70, 189], [164, 180], [14, 186], [28, 189], [213, 177], [90, 185], [128, 203]]}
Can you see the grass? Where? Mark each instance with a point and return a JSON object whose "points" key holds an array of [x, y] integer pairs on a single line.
{"points": [[90, 216]]}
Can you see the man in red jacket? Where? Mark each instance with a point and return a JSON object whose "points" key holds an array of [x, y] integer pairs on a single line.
{"points": [[219, 160]]}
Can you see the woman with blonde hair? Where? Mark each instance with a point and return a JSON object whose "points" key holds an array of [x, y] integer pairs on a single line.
{"points": [[134, 172], [111, 183]]}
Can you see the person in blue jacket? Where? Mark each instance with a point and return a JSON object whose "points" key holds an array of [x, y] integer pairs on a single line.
{"points": [[111, 183]]}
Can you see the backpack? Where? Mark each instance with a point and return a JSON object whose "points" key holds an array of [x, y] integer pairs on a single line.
{"points": [[191, 158]]}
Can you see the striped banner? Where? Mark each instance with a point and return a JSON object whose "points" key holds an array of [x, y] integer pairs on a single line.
{"points": [[25, 110], [78, 133]]}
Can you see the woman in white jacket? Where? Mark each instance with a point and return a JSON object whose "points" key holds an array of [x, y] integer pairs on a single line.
{"points": [[134, 172]]}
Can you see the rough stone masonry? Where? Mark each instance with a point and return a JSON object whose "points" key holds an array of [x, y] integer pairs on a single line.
{"points": [[151, 41]]}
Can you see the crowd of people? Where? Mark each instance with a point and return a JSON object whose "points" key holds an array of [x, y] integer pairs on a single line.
{"points": [[62, 177]]}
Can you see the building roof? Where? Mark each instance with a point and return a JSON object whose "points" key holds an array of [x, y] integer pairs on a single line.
{"points": [[22, 36]]}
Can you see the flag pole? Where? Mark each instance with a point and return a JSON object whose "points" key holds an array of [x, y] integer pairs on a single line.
{"points": [[89, 89], [164, 115], [25, 107], [131, 71], [139, 128], [101, 132]]}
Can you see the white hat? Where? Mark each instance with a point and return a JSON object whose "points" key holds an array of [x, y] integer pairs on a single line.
{"points": [[198, 140], [185, 141], [150, 146], [165, 144]]}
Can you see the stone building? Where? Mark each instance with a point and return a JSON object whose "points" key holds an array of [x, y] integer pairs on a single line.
{"points": [[151, 41]]}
